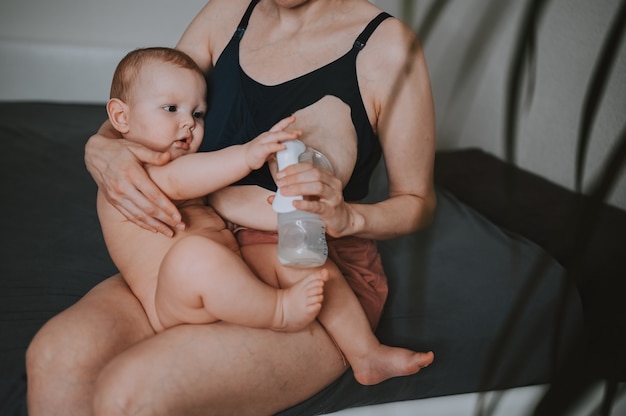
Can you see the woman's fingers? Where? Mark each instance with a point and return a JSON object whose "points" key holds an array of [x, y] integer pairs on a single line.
{"points": [[307, 180], [117, 166], [323, 195], [150, 208]]}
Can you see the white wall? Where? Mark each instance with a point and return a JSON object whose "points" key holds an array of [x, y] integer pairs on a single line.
{"points": [[471, 113], [81, 41]]}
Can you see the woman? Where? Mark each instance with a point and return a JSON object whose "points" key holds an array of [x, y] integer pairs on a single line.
{"points": [[101, 353]]}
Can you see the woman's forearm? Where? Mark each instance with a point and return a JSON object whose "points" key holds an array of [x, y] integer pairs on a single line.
{"points": [[116, 166], [391, 218]]}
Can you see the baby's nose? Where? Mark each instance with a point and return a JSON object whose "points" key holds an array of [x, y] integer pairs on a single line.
{"points": [[189, 123]]}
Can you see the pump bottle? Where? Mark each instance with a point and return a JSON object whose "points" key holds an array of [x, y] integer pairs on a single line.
{"points": [[301, 234]]}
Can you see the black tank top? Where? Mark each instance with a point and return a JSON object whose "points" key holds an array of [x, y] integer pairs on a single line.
{"points": [[241, 108]]}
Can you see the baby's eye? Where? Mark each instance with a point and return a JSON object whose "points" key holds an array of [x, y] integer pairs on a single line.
{"points": [[170, 108], [198, 114]]}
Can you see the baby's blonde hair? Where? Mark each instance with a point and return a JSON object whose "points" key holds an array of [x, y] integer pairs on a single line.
{"points": [[130, 66]]}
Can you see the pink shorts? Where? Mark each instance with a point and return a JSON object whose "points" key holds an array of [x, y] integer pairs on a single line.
{"points": [[357, 258]]}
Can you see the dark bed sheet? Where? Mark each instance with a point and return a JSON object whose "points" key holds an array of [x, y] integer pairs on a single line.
{"points": [[52, 250], [53, 253]]}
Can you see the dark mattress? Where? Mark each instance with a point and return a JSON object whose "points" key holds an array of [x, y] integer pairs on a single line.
{"points": [[509, 286]]}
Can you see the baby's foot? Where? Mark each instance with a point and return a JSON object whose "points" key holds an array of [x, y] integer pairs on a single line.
{"points": [[299, 305], [387, 362]]}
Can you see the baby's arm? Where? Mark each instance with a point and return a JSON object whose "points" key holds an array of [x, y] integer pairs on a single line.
{"points": [[199, 174]]}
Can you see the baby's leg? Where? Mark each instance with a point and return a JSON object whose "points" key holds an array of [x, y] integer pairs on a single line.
{"points": [[346, 321], [344, 318], [202, 281]]}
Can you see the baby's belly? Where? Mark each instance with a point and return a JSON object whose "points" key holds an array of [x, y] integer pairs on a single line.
{"points": [[203, 220]]}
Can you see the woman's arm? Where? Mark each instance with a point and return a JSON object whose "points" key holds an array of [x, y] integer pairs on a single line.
{"points": [[117, 167], [406, 127], [403, 115], [211, 29]]}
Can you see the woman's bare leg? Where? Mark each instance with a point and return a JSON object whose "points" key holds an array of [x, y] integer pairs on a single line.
{"points": [[218, 369], [185, 370], [67, 354]]}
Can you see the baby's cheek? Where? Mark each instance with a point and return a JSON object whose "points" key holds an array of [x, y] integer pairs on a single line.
{"points": [[198, 135]]}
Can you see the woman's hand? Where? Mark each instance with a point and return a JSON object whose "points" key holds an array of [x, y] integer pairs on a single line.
{"points": [[116, 166], [323, 194]]}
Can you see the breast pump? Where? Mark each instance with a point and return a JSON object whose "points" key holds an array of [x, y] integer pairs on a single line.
{"points": [[301, 234]]}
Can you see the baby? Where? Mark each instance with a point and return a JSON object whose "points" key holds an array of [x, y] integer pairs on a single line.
{"points": [[198, 276]]}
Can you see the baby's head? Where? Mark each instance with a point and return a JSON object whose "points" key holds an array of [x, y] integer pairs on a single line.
{"points": [[158, 99]]}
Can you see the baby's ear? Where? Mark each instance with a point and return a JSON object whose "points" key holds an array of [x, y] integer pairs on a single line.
{"points": [[117, 110]]}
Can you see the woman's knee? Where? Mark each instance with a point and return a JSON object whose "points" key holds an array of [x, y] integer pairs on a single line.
{"points": [[126, 386], [58, 372], [50, 351], [65, 344], [41, 354], [114, 392]]}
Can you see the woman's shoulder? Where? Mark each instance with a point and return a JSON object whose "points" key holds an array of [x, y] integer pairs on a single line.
{"points": [[210, 30], [390, 48], [393, 40]]}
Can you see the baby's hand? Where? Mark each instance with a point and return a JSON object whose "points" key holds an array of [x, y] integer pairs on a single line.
{"points": [[263, 146]]}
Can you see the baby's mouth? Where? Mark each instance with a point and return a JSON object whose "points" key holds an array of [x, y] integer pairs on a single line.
{"points": [[185, 143]]}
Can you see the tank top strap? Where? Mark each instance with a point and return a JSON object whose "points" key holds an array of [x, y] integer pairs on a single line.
{"points": [[361, 40], [243, 24]]}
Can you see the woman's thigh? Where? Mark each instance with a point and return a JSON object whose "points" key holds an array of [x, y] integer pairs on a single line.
{"points": [[219, 369], [67, 354]]}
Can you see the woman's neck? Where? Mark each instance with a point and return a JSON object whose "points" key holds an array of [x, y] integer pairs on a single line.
{"points": [[300, 15]]}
